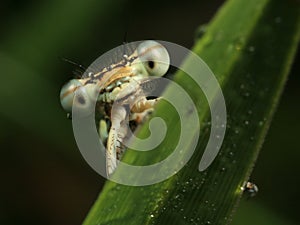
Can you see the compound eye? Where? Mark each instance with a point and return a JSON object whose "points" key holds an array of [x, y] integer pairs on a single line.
{"points": [[75, 94], [154, 57], [67, 94], [81, 100], [78, 96]]}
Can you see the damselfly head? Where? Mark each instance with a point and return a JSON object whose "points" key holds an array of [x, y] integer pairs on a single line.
{"points": [[149, 58]]}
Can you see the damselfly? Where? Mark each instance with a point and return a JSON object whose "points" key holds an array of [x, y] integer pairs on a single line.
{"points": [[149, 59]]}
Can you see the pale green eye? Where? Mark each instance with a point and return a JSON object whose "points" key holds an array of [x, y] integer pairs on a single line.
{"points": [[70, 90], [154, 57], [67, 94]]}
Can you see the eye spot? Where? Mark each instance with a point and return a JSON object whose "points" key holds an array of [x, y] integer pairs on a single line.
{"points": [[81, 100], [151, 64]]}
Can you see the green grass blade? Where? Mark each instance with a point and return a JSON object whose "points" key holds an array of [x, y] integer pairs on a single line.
{"points": [[250, 46]]}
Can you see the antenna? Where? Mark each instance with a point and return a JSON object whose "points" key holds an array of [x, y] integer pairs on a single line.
{"points": [[74, 63]]}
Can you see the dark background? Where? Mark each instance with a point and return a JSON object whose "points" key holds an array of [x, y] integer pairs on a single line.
{"points": [[44, 179]]}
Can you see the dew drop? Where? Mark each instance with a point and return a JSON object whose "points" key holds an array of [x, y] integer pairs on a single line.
{"points": [[246, 94], [202, 181], [200, 31]]}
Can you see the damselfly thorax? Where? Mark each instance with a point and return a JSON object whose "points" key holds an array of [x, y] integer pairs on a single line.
{"points": [[149, 59]]}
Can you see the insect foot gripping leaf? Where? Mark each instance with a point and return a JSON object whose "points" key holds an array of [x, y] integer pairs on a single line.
{"points": [[101, 85]]}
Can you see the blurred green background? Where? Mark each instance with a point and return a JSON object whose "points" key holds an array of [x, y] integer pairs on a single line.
{"points": [[44, 179]]}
